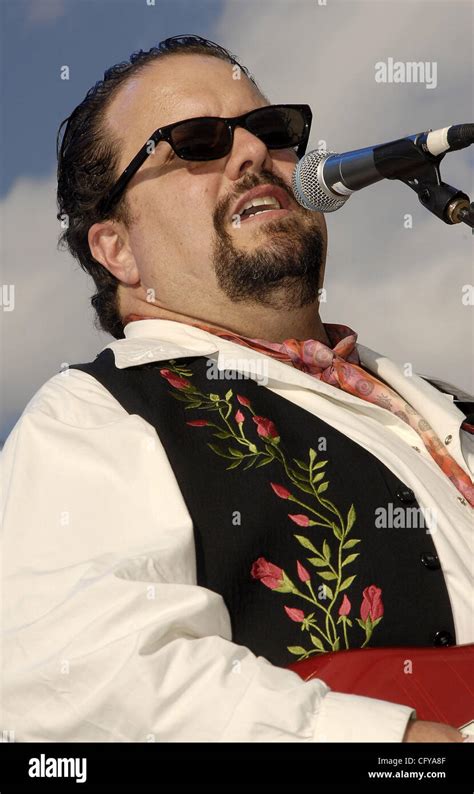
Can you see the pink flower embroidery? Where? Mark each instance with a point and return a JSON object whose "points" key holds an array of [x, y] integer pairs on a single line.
{"points": [[243, 400], [239, 417], [265, 427], [302, 572], [269, 574], [345, 607], [371, 605], [175, 380], [295, 614], [280, 491], [198, 423], [300, 519]]}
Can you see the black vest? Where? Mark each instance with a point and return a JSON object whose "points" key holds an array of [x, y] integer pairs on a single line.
{"points": [[369, 542]]}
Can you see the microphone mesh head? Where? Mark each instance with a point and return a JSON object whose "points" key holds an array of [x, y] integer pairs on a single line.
{"points": [[308, 184]]}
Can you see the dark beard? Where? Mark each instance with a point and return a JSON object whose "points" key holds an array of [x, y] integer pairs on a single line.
{"points": [[284, 272]]}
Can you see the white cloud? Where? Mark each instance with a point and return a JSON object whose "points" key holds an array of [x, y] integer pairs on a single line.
{"points": [[52, 321]]}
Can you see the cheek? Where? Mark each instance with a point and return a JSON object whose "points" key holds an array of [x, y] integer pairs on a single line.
{"points": [[193, 212], [285, 161], [176, 228]]}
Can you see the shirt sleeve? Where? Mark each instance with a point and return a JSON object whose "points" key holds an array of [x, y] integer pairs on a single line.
{"points": [[108, 636]]}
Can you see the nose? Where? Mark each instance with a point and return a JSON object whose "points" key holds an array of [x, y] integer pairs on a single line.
{"points": [[248, 153]]}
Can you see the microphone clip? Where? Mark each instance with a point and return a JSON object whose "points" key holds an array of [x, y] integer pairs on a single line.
{"points": [[445, 201]]}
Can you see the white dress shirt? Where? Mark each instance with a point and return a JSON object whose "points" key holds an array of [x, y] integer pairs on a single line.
{"points": [[107, 635]]}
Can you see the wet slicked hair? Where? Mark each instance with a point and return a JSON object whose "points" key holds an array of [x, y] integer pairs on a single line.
{"points": [[88, 156]]}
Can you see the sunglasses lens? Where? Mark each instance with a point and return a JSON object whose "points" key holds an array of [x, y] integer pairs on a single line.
{"points": [[278, 127], [201, 139]]}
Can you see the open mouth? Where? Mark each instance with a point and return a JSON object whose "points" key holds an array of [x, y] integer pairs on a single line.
{"points": [[261, 206], [262, 203]]}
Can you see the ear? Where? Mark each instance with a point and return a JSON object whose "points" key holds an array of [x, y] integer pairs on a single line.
{"points": [[110, 245]]}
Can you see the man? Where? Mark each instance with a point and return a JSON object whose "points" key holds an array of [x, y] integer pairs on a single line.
{"points": [[157, 588]]}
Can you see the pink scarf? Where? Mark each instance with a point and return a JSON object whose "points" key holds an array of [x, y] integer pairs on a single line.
{"points": [[340, 366]]}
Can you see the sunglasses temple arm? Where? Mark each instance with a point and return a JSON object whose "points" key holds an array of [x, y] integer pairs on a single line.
{"points": [[130, 171]]}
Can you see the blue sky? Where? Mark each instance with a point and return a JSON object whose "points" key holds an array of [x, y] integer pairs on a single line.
{"points": [[399, 288], [86, 35]]}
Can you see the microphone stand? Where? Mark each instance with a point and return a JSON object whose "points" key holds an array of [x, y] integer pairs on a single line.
{"points": [[446, 202]]}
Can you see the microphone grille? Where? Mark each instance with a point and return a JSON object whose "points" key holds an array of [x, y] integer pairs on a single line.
{"points": [[308, 184]]}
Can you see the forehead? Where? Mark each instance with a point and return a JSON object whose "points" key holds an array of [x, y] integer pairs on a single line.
{"points": [[174, 88]]}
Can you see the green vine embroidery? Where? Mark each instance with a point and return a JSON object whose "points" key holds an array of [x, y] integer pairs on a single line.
{"points": [[307, 479]]}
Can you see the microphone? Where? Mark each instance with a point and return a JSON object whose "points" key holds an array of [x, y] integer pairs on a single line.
{"points": [[323, 181]]}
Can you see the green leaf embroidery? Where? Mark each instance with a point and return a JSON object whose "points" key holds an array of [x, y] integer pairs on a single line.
{"points": [[305, 488], [301, 465], [327, 591], [235, 452], [327, 575], [263, 462], [300, 477], [250, 464], [317, 642], [326, 551], [286, 586], [318, 562], [306, 543], [349, 559], [297, 650], [351, 517], [323, 487], [350, 543], [217, 450], [180, 397], [346, 583]]}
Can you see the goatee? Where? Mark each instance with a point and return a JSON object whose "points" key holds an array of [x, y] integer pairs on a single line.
{"points": [[284, 271]]}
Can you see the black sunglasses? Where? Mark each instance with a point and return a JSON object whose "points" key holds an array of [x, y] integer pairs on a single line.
{"points": [[211, 137]]}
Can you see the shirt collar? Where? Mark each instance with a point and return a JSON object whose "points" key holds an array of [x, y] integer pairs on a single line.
{"points": [[158, 340], [153, 340]]}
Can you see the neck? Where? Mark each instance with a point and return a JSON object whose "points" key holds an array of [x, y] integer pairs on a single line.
{"points": [[253, 321]]}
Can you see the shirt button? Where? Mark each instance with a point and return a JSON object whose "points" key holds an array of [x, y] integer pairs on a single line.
{"points": [[417, 449], [443, 638], [462, 500], [430, 561], [406, 495], [448, 439]]}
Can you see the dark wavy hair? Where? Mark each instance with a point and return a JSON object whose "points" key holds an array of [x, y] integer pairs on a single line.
{"points": [[88, 156]]}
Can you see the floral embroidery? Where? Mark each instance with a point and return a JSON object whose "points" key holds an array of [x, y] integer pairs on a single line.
{"points": [[330, 553]]}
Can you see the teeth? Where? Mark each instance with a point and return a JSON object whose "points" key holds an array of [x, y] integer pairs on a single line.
{"points": [[257, 202]]}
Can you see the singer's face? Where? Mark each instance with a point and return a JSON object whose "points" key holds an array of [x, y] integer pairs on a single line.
{"points": [[185, 238]]}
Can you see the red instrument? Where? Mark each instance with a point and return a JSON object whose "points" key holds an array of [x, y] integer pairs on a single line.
{"points": [[437, 682]]}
